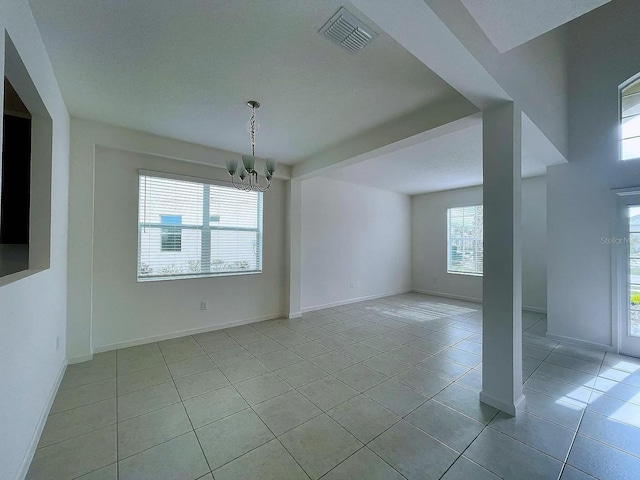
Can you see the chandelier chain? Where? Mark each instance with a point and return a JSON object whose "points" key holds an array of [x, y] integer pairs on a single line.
{"points": [[253, 126], [248, 177]]}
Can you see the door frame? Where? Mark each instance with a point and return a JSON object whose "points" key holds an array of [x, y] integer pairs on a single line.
{"points": [[626, 197]]}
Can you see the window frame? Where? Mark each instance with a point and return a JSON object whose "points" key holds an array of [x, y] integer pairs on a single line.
{"points": [[449, 239], [629, 82], [208, 226]]}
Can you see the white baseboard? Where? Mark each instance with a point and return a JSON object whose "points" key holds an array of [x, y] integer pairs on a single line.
{"points": [[28, 457], [581, 343], [294, 315], [182, 333], [80, 359], [352, 300], [474, 300], [509, 408]]}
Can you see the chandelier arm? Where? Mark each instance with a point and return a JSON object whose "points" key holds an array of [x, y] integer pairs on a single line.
{"points": [[247, 188], [233, 181], [240, 186], [261, 188]]}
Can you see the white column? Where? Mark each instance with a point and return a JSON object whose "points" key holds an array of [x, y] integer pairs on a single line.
{"points": [[502, 278], [80, 246], [294, 241]]}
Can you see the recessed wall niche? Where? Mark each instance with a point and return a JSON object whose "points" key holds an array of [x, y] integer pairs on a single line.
{"points": [[25, 166]]}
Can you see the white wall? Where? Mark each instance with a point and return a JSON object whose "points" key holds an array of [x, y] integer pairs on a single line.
{"points": [[125, 311], [33, 306], [429, 244], [352, 234], [603, 54], [86, 137]]}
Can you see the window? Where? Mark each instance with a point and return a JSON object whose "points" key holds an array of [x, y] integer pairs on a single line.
{"points": [[630, 121], [464, 245], [190, 227], [171, 237]]}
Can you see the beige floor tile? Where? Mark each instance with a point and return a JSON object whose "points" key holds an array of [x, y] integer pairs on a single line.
{"points": [[146, 431], [280, 359], [363, 418], [178, 459], [268, 462], [83, 395], [360, 378], [230, 355], [110, 472], [74, 457], [147, 400], [413, 453], [214, 405], [143, 379], [200, 383], [175, 353], [286, 411], [137, 363], [244, 370], [71, 423], [262, 388], [190, 366], [232, 436], [397, 397], [332, 362], [300, 374], [445, 424], [75, 377], [364, 464], [327, 392], [319, 445]]}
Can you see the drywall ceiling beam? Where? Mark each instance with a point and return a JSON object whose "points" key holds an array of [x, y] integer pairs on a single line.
{"points": [[415, 26], [419, 126], [443, 35], [536, 143]]}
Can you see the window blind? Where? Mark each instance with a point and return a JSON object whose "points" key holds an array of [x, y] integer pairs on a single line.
{"points": [[464, 233], [190, 227]]}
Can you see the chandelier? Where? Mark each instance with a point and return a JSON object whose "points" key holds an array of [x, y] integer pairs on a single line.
{"points": [[247, 174]]}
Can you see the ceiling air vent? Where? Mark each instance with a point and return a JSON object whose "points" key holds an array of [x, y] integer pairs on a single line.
{"points": [[347, 31]]}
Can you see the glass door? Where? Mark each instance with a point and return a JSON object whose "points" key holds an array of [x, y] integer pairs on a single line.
{"points": [[630, 335]]}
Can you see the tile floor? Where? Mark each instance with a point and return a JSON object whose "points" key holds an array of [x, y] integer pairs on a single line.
{"points": [[385, 389]]}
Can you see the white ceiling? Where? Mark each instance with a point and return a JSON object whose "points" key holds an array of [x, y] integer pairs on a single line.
{"points": [[184, 69], [509, 23], [442, 163]]}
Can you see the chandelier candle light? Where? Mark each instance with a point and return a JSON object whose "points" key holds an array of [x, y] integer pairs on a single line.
{"points": [[247, 169]]}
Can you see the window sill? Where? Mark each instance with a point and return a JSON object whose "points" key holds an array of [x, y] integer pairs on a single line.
{"points": [[467, 274], [190, 277], [14, 277]]}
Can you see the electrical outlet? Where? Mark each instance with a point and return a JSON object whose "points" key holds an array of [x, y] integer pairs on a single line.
{"points": [[204, 305], [351, 285], [57, 343]]}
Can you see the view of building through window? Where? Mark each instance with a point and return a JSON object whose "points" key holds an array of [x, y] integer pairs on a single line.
{"points": [[464, 245], [175, 242]]}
